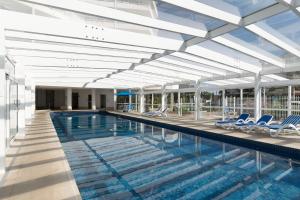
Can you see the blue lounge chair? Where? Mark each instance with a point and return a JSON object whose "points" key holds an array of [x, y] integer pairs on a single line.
{"points": [[227, 123], [249, 125], [289, 125]]}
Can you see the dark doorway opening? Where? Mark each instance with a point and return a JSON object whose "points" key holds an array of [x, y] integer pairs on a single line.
{"points": [[50, 99], [90, 101], [102, 101], [75, 101]]}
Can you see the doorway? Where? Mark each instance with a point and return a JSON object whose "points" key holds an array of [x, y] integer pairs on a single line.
{"points": [[75, 100], [103, 101], [90, 101], [50, 99]]}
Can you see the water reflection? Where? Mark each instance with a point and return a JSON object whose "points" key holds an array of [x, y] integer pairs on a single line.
{"points": [[114, 156]]}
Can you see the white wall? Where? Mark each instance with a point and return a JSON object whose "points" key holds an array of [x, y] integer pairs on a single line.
{"points": [[83, 97], [109, 98]]}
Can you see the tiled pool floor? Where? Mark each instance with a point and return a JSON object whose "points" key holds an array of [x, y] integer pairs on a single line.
{"points": [[115, 158]]}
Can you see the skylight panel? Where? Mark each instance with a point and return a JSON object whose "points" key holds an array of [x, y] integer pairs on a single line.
{"points": [[257, 41], [123, 16], [286, 23], [247, 7], [219, 53], [165, 9]]}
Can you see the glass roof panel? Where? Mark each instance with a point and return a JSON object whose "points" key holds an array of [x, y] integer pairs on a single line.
{"points": [[286, 23], [257, 41], [209, 22], [101, 21], [248, 7], [160, 10]]}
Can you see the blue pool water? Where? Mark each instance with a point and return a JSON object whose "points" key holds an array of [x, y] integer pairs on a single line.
{"points": [[115, 158]]}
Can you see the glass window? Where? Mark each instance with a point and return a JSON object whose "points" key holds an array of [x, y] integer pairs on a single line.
{"points": [[209, 22], [247, 7], [257, 41], [286, 23]]}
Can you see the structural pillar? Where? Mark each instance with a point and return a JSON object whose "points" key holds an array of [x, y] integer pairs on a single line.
{"points": [[136, 103], [241, 101], [69, 98], [130, 100], [32, 109], [20, 76], [172, 102], [28, 100], [179, 104], [2, 104], [152, 101], [223, 104], [115, 99], [289, 100], [257, 97], [163, 98], [142, 101], [198, 102], [94, 99]]}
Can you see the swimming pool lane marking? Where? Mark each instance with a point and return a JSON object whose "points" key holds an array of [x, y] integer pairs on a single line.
{"points": [[114, 172]]}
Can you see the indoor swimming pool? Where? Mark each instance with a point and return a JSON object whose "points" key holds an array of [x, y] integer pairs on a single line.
{"points": [[116, 158]]}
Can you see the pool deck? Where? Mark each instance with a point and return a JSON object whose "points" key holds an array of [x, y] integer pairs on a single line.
{"points": [[291, 142], [36, 165]]}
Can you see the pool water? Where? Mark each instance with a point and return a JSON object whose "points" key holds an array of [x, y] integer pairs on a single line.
{"points": [[115, 158]]}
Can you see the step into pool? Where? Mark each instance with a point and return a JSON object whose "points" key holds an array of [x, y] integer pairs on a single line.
{"points": [[116, 158]]}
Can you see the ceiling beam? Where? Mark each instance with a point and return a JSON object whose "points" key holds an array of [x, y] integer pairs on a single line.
{"points": [[75, 41], [69, 56], [216, 9], [119, 15], [67, 29], [73, 49], [249, 49]]}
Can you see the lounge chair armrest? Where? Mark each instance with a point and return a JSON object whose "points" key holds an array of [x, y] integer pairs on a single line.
{"points": [[240, 121], [261, 124], [250, 122]]}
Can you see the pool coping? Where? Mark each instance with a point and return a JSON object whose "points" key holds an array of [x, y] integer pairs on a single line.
{"points": [[221, 135], [38, 167]]}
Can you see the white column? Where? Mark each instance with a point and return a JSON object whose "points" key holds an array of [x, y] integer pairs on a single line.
{"points": [[289, 100], [257, 97], [69, 98], [130, 100], [115, 99], [142, 101], [163, 98], [136, 102], [179, 104], [197, 102], [223, 104], [234, 105], [20, 76], [2, 104], [152, 101], [28, 100], [172, 102], [241, 100], [94, 99], [32, 108]]}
